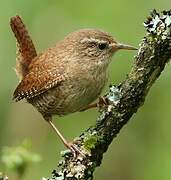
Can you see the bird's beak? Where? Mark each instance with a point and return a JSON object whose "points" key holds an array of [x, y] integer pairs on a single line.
{"points": [[118, 46]]}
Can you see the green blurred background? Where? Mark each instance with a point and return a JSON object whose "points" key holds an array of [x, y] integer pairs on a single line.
{"points": [[142, 151]]}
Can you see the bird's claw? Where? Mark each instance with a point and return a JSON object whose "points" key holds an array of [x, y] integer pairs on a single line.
{"points": [[102, 102], [74, 149]]}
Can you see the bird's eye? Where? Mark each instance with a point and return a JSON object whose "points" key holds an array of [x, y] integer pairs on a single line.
{"points": [[102, 46]]}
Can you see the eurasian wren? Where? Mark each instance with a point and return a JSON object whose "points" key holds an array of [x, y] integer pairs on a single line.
{"points": [[67, 77]]}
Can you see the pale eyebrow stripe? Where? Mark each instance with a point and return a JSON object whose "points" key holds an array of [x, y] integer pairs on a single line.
{"points": [[92, 40]]}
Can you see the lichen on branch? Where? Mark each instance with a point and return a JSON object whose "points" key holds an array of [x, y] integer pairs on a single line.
{"points": [[123, 101]]}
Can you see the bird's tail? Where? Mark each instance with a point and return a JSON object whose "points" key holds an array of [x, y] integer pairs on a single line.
{"points": [[26, 51]]}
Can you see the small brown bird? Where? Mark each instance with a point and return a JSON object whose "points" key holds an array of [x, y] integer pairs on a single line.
{"points": [[67, 77]]}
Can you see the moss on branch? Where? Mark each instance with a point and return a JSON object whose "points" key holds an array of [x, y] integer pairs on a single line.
{"points": [[123, 100]]}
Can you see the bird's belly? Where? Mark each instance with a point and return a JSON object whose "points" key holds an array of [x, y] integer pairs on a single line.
{"points": [[80, 97], [69, 97]]}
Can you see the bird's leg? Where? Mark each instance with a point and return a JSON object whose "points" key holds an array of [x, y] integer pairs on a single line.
{"points": [[102, 101], [89, 106], [69, 145]]}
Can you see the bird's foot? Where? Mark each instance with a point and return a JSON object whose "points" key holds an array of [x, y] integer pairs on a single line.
{"points": [[74, 149], [102, 102]]}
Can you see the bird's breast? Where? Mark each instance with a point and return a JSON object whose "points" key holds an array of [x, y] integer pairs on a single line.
{"points": [[83, 89]]}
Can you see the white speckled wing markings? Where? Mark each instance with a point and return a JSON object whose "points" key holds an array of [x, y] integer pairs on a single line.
{"points": [[38, 82]]}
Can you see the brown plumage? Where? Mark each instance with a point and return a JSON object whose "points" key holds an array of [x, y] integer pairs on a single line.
{"points": [[26, 50], [69, 76]]}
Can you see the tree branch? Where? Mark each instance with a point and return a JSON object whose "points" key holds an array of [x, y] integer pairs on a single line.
{"points": [[124, 100]]}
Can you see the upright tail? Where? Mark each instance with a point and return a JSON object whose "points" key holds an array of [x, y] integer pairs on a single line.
{"points": [[26, 50]]}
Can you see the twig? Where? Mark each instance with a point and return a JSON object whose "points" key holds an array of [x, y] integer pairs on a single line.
{"points": [[124, 100]]}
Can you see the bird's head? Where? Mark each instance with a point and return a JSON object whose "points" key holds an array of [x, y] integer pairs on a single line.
{"points": [[94, 45]]}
